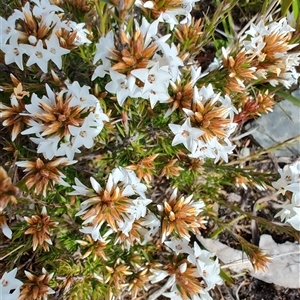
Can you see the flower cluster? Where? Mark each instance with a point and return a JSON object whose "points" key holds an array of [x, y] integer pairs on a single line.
{"points": [[167, 11], [127, 96], [269, 47], [289, 183], [65, 121], [265, 55], [39, 32], [208, 125], [181, 215], [119, 207], [39, 228], [192, 271], [140, 65], [36, 287]]}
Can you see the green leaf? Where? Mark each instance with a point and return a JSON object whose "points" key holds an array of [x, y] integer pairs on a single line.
{"points": [[120, 130], [226, 277], [289, 97], [296, 8], [285, 4]]}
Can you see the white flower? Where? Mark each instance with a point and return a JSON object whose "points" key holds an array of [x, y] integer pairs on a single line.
{"points": [[55, 51], [226, 102], [208, 268], [102, 69], [104, 46], [196, 74], [186, 134], [5, 229], [153, 225], [99, 116], [7, 29], [66, 148], [139, 207], [170, 58], [13, 52], [221, 150], [295, 218], [80, 95], [174, 294], [125, 226], [202, 151], [130, 179], [121, 85], [81, 33], [149, 30], [206, 93], [37, 55], [80, 189], [170, 16], [290, 213], [48, 147], [179, 246], [94, 231], [43, 7], [289, 179], [258, 30], [156, 79], [8, 282], [158, 275], [85, 134]]}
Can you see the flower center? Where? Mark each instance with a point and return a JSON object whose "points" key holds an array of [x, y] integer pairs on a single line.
{"points": [[185, 133], [39, 54], [83, 133], [151, 78]]}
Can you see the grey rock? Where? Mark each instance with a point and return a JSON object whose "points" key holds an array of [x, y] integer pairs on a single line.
{"points": [[279, 126]]}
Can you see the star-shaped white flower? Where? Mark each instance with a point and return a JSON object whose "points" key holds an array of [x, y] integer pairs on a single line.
{"points": [[7, 29], [55, 51], [155, 79], [43, 7], [185, 134], [13, 52], [37, 55], [121, 85], [8, 282]]}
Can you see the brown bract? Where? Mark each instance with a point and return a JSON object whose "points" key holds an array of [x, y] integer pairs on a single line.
{"points": [[181, 95], [109, 206], [144, 168], [170, 169], [138, 283], [273, 60], [190, 39], [56, 119], [95, 248], [181, 216], [8, 191], [130, 238], [11, 114], [186, 278], [260, 260], [39, 228], [37, 288], [240, 71], [160, 6], [254, 106], [43, 175], [117, 277], [131, 53], [211, 119]]}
